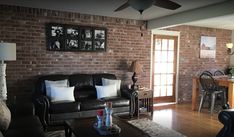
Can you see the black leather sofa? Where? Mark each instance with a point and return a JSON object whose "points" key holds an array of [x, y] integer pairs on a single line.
{"points": [[226, 117], [23, 122], [86, 102]]}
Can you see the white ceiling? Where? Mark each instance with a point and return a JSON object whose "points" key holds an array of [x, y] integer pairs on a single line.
{"points": [[106, 7], [223, 22]]}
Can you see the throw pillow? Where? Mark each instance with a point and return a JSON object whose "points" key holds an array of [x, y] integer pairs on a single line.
{"points": [[106, 82], [59, 83], [5, 116], [106, 91], [62, 94]]}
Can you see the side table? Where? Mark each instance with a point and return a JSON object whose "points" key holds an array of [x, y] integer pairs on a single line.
{"points": [[144, 101]]}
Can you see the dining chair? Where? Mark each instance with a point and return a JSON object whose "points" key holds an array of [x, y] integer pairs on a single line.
{"points": [[218, 73], [206, 71], [211, 89], [221, 73]]}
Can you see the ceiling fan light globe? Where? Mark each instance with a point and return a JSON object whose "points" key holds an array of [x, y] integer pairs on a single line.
{"points": [[141, 5]]}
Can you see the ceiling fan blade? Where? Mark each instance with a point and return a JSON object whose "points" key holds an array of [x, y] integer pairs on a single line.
{"points": [[124, 6], [166, 4]]}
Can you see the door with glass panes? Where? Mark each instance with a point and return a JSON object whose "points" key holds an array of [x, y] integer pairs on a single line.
{"points": [[164, 68]]}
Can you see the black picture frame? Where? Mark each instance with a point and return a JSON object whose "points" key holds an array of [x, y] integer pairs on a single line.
{"points": [[100, 39], [63, 37]]}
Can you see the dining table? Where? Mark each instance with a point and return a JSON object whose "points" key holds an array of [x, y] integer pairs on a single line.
{"points": [[221, 81]]}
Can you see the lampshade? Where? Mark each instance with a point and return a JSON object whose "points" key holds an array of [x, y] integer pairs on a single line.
{"points": [[7, 51], [229, 45], [135, 67]]}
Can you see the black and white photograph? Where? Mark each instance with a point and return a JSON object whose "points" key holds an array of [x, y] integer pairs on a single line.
{"points": [[99, 34], [57, 31], [72, 44], [99, 45], [86, 45], [86, 33], [73, 32], [56, 45]]}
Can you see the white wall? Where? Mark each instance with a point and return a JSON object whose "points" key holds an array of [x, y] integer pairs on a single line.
{"points": [[232, 56]]}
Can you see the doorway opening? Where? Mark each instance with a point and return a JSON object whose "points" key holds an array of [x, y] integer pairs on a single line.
{"points": [[164, 68]]}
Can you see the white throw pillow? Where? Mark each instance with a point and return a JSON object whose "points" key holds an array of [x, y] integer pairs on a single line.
{"points": [[59, 83], [106, 91], [62, 94], [106, 82]]}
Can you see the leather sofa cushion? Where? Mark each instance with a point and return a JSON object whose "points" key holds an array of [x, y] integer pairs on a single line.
{"points": [[92, 104], [97, 78], [64, 107], [25, 132], [25, 122], [85, 92], [117, 101], [80, 80]]}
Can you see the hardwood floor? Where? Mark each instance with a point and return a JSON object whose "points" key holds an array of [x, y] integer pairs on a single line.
{"points": [[181, 118]]}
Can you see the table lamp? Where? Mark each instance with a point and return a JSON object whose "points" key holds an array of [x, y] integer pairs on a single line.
{"points": [[136, 68], [7, 53]]}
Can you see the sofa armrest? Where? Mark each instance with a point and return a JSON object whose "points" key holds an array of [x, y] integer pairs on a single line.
{"points": [[132, 96], [226, 117], [127, 93], [42, 104]]}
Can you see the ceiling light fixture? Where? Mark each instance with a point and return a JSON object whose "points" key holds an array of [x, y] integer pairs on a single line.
{"points": [[141, 5]]}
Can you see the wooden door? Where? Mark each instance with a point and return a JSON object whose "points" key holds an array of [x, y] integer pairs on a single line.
{"points": [[164, 68]]}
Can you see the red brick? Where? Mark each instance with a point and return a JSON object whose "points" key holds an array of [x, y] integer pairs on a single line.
{"points": [[26, 27]]}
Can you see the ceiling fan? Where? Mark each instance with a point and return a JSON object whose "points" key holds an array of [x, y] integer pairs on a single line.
{"points": [[141, 5]]}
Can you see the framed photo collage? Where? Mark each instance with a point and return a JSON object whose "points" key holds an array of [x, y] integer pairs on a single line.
{"points": [[61, 37]]}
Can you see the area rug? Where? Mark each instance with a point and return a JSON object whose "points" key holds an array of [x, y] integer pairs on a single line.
{"points": [[151, 128]]}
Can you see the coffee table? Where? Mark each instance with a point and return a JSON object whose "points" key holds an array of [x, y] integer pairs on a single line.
{"points": [[84, 128]]}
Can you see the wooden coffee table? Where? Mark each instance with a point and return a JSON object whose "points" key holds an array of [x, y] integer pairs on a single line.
{"points": [[84, 128]]}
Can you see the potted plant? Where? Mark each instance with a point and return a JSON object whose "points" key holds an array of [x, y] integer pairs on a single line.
{"points": [[232, 72]]}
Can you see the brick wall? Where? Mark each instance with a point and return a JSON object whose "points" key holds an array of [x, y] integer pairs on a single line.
{"points": [[26, 28], [190, 64]]}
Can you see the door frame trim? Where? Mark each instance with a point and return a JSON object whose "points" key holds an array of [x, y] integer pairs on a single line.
{"points": [[168, 33]]}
